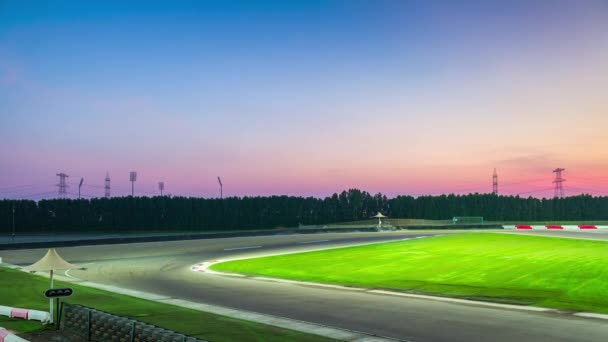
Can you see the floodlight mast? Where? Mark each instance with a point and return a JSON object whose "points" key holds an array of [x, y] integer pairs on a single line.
{"points": [[80, 186], [133, 178], [13, 236], [495, 182], [161, 187], [221, 187]]}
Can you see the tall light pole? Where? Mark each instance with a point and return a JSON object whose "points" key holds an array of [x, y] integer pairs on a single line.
{"points": [[133, 178], [80, 186], [221, 187], [13, 236], [161, 187]]}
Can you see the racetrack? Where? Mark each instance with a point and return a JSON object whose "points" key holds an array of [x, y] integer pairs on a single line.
{"points": [[164, 268]]}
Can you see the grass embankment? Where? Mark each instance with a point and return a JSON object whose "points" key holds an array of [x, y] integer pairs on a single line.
{"points": [[549, 272], [20, 289]]}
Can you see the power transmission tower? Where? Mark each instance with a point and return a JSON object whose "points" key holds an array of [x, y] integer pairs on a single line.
{"points": [[62, 186], [495, 183], [558, 181], [107, 186], [133, 178], [161, 187]]}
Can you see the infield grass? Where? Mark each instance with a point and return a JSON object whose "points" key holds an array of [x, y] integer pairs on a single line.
{"points": [[19, 289], [529, 270]]}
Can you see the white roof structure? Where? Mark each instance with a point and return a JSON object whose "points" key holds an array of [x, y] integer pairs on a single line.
{"points": [[51, 262], [379, 215]]}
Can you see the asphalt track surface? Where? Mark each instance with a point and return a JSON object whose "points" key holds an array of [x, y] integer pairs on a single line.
{"points": [[29, 238], [164, 268]]}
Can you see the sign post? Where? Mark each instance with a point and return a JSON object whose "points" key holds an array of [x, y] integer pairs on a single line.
{"points": [[51, 262], [56, 294]]}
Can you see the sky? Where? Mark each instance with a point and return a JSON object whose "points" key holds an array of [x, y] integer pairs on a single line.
{"points": [[303, 98]]}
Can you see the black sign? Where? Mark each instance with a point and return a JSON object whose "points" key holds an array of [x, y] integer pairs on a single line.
{"points": [[53, 293]]}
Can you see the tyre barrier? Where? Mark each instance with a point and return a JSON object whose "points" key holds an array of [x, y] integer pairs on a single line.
{"points": [[32, 315], [96, 325], [6, 336], [555, 227]]}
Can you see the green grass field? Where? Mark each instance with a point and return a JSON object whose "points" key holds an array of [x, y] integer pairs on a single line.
{"points": [[20, 289], [550, 272]]}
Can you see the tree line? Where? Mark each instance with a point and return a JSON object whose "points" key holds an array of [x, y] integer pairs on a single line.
{"points": [[189, 214]]}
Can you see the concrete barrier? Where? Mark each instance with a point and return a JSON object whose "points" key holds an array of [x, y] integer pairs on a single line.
{"points": [[6, 336], [42, 316], [32, 315], [19, 313], [5, 310]]}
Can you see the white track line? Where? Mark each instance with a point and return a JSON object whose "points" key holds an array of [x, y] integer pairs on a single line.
{"points": [[312, 241], [237, 248], [67, 272], [592, 315], [464, 301], [204, 267]]}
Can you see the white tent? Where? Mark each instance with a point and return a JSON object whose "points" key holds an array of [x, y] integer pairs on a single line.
{"points": [[51, 261], [379, 216]]}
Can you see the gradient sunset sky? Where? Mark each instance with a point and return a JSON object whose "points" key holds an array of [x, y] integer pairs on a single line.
{"points": [[303, 97]]}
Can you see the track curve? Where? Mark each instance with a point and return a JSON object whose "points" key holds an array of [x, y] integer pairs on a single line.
{"points": [[165, 268]]}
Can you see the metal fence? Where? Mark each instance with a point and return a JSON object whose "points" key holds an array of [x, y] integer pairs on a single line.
{"points": [[95, 325]]}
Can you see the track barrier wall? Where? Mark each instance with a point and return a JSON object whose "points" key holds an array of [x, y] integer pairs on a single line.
{"points": [[36, 315], [179, 237], [6, 336], [95, 325]]}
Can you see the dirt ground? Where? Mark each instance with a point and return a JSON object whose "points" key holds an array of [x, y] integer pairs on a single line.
{"points": [[51, 336]]}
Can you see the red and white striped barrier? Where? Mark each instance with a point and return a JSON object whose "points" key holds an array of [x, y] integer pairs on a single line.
{"points": [[555, 227], [6, 336], [32, 315]]}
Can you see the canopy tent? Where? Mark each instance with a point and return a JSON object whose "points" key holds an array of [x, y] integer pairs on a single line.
{"points": [[379, 216], [50, 262]]}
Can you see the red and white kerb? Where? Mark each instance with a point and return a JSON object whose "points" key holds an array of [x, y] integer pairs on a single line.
{"points": [[555, 227]]}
